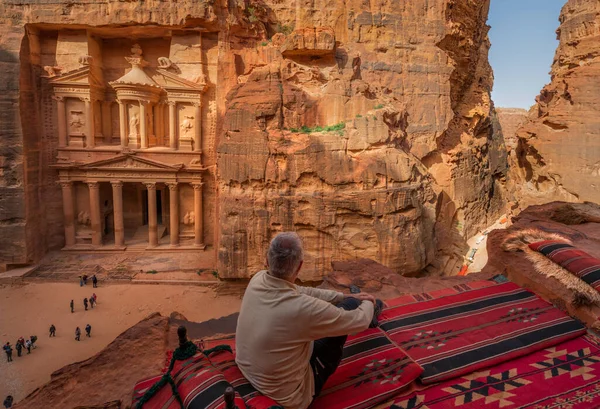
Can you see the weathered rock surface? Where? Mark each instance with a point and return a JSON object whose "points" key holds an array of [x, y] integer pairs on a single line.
{"points": [[511, 120], [558, 148], [579, 223], [367, 130]]}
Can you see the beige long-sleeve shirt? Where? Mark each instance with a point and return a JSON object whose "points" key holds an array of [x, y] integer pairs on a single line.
{"points": [[276, 328]]}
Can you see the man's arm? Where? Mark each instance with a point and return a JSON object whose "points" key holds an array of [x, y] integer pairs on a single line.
{"points": [[327, 320], [330, 296]]}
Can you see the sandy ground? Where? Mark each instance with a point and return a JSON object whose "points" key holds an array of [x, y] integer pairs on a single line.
{"points": [[31, 309], [479, 242]]}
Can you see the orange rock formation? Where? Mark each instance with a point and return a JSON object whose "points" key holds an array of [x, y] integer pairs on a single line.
{"points": [[366, 130], [558, 148]]}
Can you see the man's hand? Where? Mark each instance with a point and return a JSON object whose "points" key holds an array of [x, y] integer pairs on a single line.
{"points": [[362, 297]]}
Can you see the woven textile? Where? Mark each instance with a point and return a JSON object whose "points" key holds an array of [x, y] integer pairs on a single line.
{"points": [[199, 384], [372, 370], [566, 376], [572, 259], [462, 333], [224, 362]]}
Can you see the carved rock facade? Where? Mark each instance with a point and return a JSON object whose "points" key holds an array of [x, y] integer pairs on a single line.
{"points": [[368, 132], [558, 148]]}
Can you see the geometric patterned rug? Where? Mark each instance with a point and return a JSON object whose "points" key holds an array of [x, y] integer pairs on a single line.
{"points": [[466, 332], [566, 376]]}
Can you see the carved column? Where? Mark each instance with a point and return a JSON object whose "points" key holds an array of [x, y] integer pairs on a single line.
{"points": [[95, 213], [159, 127], [152, 217], [89, 122], [198, 225], [174, 214], [151, 132], [106, 124], [143, 123], [197, 127], [69, 213], [123, 123], [62, 121], [117, 191], [172, 124]]}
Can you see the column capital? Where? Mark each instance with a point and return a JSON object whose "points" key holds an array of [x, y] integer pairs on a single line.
{"points": [[93, 185], [116, 183], [58, 98], [197, 104], [65, 183], [197, 185], [150, 185], [172, 185], [85, 99], [144, 102], [172, 103]]}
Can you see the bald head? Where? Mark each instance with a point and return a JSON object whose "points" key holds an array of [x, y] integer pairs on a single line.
{"points": [[285, 255]]}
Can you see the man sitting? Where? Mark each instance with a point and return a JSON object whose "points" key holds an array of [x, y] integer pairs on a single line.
{"points": [[289, 339]]}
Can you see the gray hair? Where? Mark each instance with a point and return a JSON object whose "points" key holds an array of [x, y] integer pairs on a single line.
{"points": [[285, 254]]}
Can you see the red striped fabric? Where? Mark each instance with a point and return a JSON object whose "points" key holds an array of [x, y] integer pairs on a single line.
{"points": [[577, 261], [461, 333]]}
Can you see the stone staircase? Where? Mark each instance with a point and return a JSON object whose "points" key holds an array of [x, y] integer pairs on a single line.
{"points": [[141, 234]]}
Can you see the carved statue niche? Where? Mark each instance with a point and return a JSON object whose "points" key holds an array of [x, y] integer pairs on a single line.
{"points": [[134, 123], [187, 124], [83, 218], [76, 122], [189, 219]]}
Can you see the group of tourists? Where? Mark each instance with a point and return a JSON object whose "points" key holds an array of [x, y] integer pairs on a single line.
{"points": [[91, 302], [20, 345], [83, 280], [88, 332]]}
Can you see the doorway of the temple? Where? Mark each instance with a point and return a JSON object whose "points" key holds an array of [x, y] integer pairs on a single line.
{"points": [[159, 209]]}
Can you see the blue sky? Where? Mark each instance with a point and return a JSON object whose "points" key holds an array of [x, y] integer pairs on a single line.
{"points": [[523, 37]]}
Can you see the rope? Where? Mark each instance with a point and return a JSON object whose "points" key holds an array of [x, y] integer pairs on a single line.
{"points": [[218, 348]]}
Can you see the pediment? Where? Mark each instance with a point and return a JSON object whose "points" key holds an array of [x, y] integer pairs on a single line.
{"points": [[168, 80], [129, 162], [80, 76]]}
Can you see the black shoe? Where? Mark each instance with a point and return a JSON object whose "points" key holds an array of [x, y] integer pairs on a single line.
{"points": [[378, 309]]}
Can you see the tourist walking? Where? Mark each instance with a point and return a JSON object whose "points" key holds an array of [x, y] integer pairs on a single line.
{"points": [[8, 402], [77, 334], [33, 339], [21, 341], [88, 330], [94, 281], [80, 281], [72, 306], [28, 346], [95, 297], [52, 330], [85, 303], [8, 349], [92, 302], [84, 278], [19, 348]]}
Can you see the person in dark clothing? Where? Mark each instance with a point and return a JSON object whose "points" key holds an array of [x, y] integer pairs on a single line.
{"points": [[8, 402], [84, 278], [72, 306], [88, 330], [85, 303], [8, 349], [28, 346], [33, 339], [92, 302], [19, 348], [77, 334], [52, 330], [94, 281]]}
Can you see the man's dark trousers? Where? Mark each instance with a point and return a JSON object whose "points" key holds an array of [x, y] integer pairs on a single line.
{"points": [[327, 352]]}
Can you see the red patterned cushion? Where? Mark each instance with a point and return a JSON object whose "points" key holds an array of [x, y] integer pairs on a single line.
{"points": [[200, 385], [462, 333], [372, 370], [572, 259], [224, 361]]}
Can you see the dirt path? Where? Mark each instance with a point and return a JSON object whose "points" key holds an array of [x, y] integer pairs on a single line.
{"points": [[31, 309]]}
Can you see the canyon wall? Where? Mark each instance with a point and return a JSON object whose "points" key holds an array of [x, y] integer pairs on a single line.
{"points": [[366, 129], [558, 149]]}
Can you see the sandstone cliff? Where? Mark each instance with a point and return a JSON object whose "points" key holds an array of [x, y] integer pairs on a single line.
{"points": [[558, 150], [366, 129]]}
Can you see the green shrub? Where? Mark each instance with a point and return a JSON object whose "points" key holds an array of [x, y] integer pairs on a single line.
{"points": [[378, 106], [359, 116], [330, 128], [284, 29], [151, 272], [264, 43]]}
